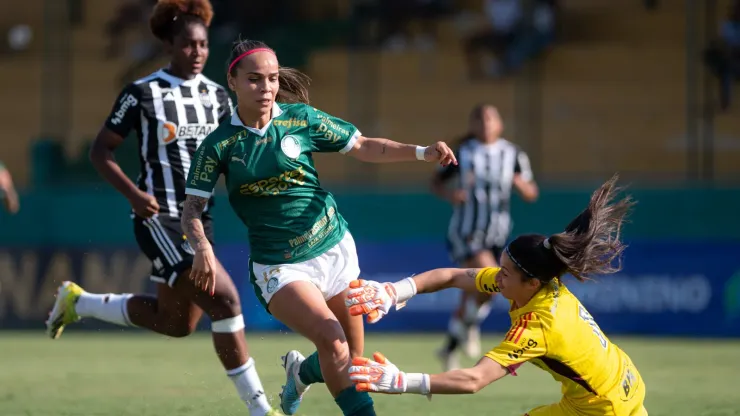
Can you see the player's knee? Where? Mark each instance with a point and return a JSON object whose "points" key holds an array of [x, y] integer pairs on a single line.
{"points": [[329, 338], [225, 305], [181, 329]]}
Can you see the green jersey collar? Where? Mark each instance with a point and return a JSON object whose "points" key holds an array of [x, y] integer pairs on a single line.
{"points": [[237, 122]]}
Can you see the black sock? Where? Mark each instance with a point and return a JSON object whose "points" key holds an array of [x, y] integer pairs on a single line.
{"points": [[452, 344]]}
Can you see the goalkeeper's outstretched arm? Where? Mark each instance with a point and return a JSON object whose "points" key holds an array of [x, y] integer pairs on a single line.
{"points": [[440, 279]]}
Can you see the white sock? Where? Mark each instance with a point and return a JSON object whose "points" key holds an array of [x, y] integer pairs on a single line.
{"points": [[107, 307], [457, 329], [249, 387]]}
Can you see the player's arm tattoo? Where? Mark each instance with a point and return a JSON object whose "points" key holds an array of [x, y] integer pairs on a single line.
{"points": [[192, 224], [472, 273], [385, 143]]}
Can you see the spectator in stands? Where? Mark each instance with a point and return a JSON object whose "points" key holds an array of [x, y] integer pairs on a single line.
{"points": [[131, 14], [723, 55], [518, 30], [396, 17], [8, 195]]}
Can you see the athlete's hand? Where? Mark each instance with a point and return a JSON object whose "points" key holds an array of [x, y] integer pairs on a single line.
{"points": [[377, 375], [370, 298], [440, 152], [203, 272], [143, 204]]}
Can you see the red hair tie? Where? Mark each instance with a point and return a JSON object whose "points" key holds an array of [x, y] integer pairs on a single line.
{"points": [[247, 53]]}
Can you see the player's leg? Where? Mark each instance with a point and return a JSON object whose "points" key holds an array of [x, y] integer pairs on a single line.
{"points": [[463, 328], [177, 312], [168, 313], [300, 305], [227, 326], [339, 267], [308, 369]]}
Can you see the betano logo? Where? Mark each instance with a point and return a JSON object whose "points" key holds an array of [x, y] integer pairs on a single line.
{"points": [[171, 131], [274, 185]]}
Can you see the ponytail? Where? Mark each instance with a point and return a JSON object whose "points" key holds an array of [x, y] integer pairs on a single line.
{"points": [[591, 242], [589, 245]]}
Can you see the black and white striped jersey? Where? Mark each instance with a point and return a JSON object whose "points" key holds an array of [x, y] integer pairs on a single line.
{"points": [[171, 117], [486, 173]]}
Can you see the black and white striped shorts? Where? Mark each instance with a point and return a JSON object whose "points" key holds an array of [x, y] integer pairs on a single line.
{"points": [[162, 240]]}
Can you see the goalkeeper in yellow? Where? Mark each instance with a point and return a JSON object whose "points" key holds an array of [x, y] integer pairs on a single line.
{"points": [[550, 328]]}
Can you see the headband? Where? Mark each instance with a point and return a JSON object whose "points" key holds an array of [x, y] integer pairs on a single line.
{"points": [[527, 272], [247, 53]]}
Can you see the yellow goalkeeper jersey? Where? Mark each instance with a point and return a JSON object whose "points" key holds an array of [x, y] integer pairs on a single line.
{"points": [[557, 334]]}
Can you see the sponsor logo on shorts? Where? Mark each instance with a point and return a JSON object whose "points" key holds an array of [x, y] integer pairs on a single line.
{"points": [[186, 247], [157, 263], [272, 284]]}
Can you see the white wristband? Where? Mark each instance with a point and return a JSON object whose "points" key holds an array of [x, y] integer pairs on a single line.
{"points": [[420, 152], [405, 290], [418, 383]]}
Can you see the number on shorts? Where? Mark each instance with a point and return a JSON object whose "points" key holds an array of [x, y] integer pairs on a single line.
{"points": [[583, 313]]}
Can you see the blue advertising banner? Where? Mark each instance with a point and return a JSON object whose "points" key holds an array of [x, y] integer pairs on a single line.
{"points": [[666, 288]]}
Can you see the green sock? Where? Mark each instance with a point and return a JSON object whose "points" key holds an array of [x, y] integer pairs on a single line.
{"points": [[310, 371], [355, 403]]}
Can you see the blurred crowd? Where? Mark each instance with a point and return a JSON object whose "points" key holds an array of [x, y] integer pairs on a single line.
{"points": [[507, 34], [722, 56]]}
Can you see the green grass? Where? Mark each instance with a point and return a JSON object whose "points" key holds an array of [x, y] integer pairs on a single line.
{"points": [[142, 374]]}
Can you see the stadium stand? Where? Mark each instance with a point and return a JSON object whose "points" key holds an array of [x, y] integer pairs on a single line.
{"points": [[613, 91]]}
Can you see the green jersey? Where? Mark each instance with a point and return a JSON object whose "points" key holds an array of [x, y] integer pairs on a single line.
{"points": [[272, 183]]}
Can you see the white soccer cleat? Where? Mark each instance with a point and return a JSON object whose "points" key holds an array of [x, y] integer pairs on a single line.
{"points": [[449, 360], [294, 389]]}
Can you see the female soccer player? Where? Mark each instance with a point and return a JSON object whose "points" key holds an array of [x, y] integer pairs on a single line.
{"points": [[489, 168], [8, 195], [171, 111], [302, 256], [550, 327]]}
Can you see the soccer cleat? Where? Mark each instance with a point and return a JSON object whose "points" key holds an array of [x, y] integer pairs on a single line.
{"points": [[63, 312], [449, 360], [294, 389], [274, 412], [472, 343]]}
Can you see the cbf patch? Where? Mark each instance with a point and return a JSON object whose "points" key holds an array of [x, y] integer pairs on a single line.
{"points": [[291, 146]]}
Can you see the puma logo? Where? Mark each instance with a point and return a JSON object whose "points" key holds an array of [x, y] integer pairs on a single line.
{"points": [[236, 159]]}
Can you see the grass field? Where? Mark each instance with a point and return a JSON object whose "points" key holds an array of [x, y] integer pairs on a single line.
{"points": [[140, 374]]}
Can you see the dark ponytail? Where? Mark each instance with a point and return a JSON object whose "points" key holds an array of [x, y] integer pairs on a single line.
{"points": [[589, 245], [293, 83]]}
